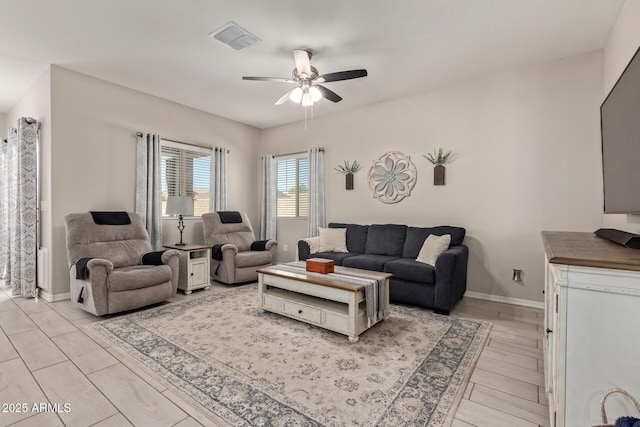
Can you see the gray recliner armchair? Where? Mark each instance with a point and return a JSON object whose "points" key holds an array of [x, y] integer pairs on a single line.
{"points": [[236, 255], [112, 266]]}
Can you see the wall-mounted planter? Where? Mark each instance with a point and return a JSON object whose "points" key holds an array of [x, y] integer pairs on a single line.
{"points": [[438, 175], [348, 181]]}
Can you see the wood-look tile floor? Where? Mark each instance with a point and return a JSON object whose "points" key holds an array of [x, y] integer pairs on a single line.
{"points": [[46, 356]]}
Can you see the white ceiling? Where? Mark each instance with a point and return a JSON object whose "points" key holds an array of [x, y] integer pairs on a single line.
{"points": [[162, 47]]}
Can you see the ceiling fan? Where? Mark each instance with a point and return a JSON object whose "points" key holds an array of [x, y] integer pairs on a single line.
{"points": [[308, 89]]}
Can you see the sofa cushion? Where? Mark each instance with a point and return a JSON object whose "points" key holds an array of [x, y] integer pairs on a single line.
{"points": [[417, 235], [333, 240], [387, 239], [412, 270], [356, 236], [137, 277], [368, 262], [252, 258], [337, 257]]}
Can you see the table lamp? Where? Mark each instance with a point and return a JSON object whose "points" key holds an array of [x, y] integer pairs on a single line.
{"points": [[181, 206]]}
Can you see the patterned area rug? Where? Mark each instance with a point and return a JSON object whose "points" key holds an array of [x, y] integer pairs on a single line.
{"points": [[251, 367]]}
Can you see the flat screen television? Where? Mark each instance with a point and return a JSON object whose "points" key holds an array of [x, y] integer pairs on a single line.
{"points": [[620, 128]]}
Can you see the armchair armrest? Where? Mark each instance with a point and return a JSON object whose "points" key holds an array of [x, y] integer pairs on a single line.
{"points": [[220, 252], [229, 250], [169, 255], [97, 263]]}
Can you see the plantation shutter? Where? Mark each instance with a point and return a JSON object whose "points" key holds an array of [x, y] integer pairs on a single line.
{"points": [[293, 184], [186, 171]]}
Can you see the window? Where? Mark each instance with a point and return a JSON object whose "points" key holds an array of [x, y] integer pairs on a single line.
{"points": [[293, 187], [185, 171]]}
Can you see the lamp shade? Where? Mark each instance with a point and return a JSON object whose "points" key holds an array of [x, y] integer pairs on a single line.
{"points": [[180, 205]]}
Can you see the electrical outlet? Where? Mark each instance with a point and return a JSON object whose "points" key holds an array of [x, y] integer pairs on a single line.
{"points": [[285, 247]]}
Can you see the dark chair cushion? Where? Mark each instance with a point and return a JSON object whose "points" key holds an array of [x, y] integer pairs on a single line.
{"points": [[82, 272], [337, 257], [387, 239], [110, 218], [152, 258], [417, 235], [216, 252], [230, 217], [368, 262], [409, 269], [259, 245], [356, 236]]}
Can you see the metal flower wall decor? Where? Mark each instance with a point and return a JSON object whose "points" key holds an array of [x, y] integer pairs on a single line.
{"points": [[392, 177]]}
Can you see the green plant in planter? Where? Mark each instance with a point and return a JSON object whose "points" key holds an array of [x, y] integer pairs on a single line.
{"points": [[348, 169], [439, 158]]}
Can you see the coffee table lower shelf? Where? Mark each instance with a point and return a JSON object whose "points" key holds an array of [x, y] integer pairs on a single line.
{"points": [[332, 305]]}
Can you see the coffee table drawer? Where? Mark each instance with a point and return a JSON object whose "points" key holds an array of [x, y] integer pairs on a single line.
{"points": [[305, 312]]}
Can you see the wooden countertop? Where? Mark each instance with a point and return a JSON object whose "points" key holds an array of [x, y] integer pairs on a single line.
{"points": [[588, 250]]}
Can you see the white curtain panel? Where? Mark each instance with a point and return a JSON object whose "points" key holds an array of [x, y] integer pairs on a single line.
{"points": [[4, 207], [269, 194], [148, 186], [218, 193], [22, 192], [316, 191]]}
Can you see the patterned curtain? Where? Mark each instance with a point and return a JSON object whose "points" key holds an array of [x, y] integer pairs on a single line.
{"points": [[148, 186], [269, 193], [4, 206], [316, 191], [218, 192], [20, 197]]}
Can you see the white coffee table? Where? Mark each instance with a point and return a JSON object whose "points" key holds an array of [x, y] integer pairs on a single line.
{"points": [[320, 300]]}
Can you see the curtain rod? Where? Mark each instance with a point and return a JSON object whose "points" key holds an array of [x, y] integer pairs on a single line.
{"points": [[186, 143], [297, 152]]}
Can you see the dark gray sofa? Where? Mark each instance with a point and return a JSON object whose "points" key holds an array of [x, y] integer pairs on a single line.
{"points": [[393, 248]]}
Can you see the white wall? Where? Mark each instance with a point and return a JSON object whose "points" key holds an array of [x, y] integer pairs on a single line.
{"points": [[528, 160], [622, 44], [36, 103], [3, 126], [94, 153]]}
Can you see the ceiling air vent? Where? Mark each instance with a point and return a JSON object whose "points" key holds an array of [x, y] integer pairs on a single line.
{"points": [[233, 35]]}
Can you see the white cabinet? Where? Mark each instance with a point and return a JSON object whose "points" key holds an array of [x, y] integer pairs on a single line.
{"points": [[194, 267], [592, 320]]}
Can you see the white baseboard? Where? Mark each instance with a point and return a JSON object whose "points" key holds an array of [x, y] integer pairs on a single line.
{"points": [[53, 297], [506, 300]]}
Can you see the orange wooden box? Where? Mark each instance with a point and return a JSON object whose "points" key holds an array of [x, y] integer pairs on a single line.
{"points": [[320, 265]]}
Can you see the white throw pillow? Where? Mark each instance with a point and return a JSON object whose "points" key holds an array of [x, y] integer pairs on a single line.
{"points": [[314, 244], [333, 240], [432, 247]]}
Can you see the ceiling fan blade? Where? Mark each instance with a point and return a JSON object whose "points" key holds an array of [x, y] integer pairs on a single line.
{"points": [[284, 98], [303, 65], [270, 79], [329, 94], [342, 75]]}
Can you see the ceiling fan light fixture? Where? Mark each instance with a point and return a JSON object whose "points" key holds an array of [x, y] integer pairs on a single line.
{"points": [[315, 93], [296, 95], [307, 99]]}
